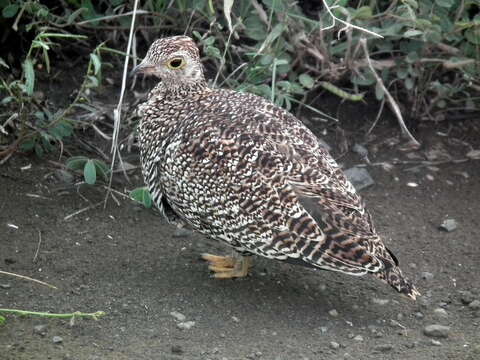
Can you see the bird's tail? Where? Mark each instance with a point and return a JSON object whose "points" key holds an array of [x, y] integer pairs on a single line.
{"points": [[393, 276]]}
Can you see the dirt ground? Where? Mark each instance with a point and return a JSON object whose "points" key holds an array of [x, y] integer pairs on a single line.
{"points": [[124, 260]]}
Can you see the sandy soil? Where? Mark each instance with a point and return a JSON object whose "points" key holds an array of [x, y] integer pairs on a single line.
{"points": [[126, 261]]}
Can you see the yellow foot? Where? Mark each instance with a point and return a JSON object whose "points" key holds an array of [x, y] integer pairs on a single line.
{"points": [[227, 267]]}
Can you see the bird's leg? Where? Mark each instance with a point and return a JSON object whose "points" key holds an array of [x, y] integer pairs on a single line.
{"points": [[227, 267]]}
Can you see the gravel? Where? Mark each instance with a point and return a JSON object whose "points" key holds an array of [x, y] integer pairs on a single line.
{"points": [[333, 313], [178, 316], [57, 339], [359, 177], [187, 325], [380, 301], [466, 297], [426, 275], [436, 330], [475, 305], [448, 225], [334, 345], [177, 349], [383, 348], [440, 313], [40, 330]]}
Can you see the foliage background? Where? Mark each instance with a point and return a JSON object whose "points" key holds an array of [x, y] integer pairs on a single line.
{"points": [[428, 58]]}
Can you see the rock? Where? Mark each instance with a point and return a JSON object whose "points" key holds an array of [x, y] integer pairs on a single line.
{"points": [[40, 330], [466, 297], [5, 286], [334, 345], [427, 275], [383, 348], [57, 339], [419, 315], [436, 330], [435, 342], [187, 325], [358, 338], [380, 301], [235, 319], [333, 313], [360, 150], [448, 225], [177, 349], [440, 313], [181, 232], [475, 305], [359, 177], [178, 316]]}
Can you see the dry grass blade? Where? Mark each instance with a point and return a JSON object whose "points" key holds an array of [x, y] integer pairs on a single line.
{"points": [[389, 96], [117, 113], [27, 278]]}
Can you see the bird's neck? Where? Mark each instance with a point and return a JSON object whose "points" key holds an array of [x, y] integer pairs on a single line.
{"points": [[181, 88]]}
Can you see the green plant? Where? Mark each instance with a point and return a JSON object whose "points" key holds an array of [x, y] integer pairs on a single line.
{"points": [[92, 169], [142, 195]]}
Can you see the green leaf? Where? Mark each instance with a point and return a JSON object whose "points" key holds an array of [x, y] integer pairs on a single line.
{"points": [[142, 195], [412, 33], [363, 13], [29, 76], [10, 10], [28, 145], [97, 64], [102, 168], [473, 35], [306, 80], [76, 162], [2, 320], [38, 150], [445, 3], [71, 18], [90, 172]]}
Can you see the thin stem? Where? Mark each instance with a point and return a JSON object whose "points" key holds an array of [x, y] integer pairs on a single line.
{"points": [[77, 314]]}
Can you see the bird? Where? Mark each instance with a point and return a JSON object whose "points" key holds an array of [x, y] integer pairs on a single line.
{"points": [[240, 170]]}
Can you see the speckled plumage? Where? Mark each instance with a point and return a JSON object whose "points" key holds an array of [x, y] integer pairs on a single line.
{"points": [[241, 170]]}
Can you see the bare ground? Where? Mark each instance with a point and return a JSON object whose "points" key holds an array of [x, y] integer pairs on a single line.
{"points": [[126, 261]]}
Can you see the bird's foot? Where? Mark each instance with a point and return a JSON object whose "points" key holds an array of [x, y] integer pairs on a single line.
{"points": [[227, 267]]}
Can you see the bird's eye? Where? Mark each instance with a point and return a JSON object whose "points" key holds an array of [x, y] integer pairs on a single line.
{"points": [[176, 63]]}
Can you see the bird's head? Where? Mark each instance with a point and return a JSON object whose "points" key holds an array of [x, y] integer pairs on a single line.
{"points": [[175, 60]]}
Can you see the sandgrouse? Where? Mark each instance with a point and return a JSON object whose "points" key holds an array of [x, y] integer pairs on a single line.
{"points": [[238, 169]]}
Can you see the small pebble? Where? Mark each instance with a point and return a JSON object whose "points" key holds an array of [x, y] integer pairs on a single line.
{"points": [[475, 305], [419, 315], [466, 297], [358, 338], [334, 345], [359, 177], [440, 313], [435, 342], [380, 301], [57, 339], [5, 286], [333, 313], [178, 316], [187, 325], [448, 225], [436, 330], [427, 275], [383, 348], [177, 349], [235, 319], [181, 232], [40, 330]]}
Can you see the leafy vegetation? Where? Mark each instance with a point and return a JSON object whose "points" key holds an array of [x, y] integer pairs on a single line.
{"points": [[428, 57]]}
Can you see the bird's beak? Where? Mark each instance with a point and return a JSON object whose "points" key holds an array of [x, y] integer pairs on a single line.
{"points": [[142, 68]]}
